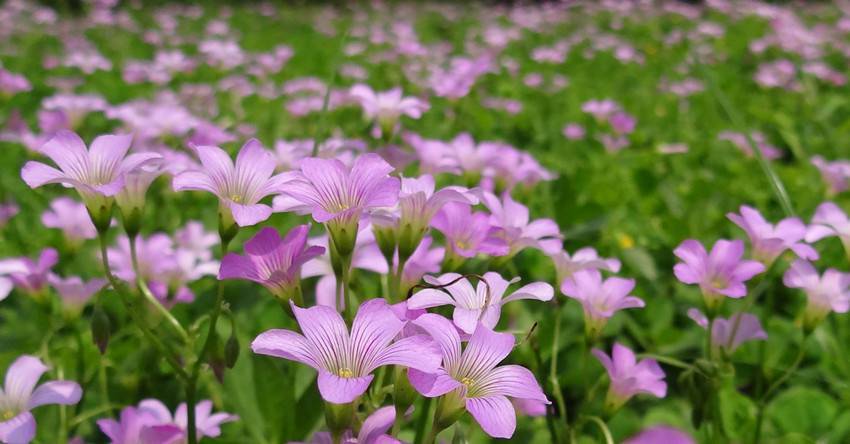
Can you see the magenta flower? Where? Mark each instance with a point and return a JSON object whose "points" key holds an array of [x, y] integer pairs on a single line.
{"points": [[720, 273], [600, 299], [630, 377], [573, 131], [273, 262], [74, 292], [826, 293], [207, 423], [749, 329], [20, 395], [345, 362], [601, 110], [239, 186], [34, 279], [482, 303], [829, 220], [139, 426], [472, 380], [622, 122], [338, 196], [386, 107], [72, 218], [583, 259], [468, 233], [97, 174], [373, 430], [835, 174], [769, 241], [661, 434], [518, 231]]}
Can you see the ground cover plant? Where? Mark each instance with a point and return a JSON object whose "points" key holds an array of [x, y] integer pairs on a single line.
{"points": [[566, 222]]}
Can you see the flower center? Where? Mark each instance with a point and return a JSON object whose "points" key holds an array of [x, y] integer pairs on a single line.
{"points": [[7, 415], [719, 282], [467, 381], [236, 198], [345, 373]]}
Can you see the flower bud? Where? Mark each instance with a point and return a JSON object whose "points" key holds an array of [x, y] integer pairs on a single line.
{"points": [[100, 327], [231, 351]]}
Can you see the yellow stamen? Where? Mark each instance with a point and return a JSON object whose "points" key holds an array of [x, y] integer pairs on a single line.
{"points": [[345, 373], [236, 198], [7, 415], [466, 381]]}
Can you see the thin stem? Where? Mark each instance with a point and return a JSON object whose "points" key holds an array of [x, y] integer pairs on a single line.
{"points": [[553, 368], [603, 428], [145, 290], [762, 403], [709, 337], [427, 413], [192, 383], [346, 289], [104, 387]]}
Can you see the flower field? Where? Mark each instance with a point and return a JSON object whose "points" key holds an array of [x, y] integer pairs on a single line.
{"points": [[568, 222]]}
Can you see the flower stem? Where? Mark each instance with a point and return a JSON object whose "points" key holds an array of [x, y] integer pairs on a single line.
{"points": [[145, 290], [553, 368], [426, 414], [603, 428]]}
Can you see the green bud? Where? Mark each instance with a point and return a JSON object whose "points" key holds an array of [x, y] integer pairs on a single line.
{"points": [[100, 211], [132, 221], [100, 328], [404, 394], [231, 351], [338, 418], [386, 239]]}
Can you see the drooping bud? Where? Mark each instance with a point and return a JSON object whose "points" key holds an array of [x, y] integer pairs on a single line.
{"points": [[100, 328], [231, 350]]}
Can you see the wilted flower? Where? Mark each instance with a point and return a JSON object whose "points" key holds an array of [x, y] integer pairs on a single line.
{"points": [[480, 304], [338, 196], [20, 395], [720, 273], [72, 218], [630, 377], [826, 293], [98, 174], [273, 262], [471, 379], [769, 241], [239, 187], [747, 328], [345, 361], [599, 298]]}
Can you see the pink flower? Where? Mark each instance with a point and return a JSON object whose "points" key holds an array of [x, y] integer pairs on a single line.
{"points": [[573, 131], [769, 241], [599, 298], [583, 259], [826, 293], [74, 292], [748, 329], [720, 273], [630, 377], [72, 218], [518, 231], [661, 434], [387, 106], [34, 279], [601, 110], [239, 187], [835, 174], [468, 233]]}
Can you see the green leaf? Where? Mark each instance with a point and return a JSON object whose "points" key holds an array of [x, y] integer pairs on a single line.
{"points": [[803, 410], [737, 413]]}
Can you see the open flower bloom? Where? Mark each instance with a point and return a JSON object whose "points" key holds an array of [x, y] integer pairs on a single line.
{"points": [[241, 186], [72, 218], [720, 273], [136, 183], [630, 377], [387, 106], [583, 259], [769, 241], [8, 267], [600, 299], [517, 229], [417, 204], [207, 423], [373, 430], [74, 292], [480, 304], [20, 395], [366, 256], [273, 262], [473, 379], [748, 329], [139, 426], [337, 196], [826, 293], [829, 220], [469, 233], [661, 434], [34, 278], [835, 174], [345, 361], [97, 174]]}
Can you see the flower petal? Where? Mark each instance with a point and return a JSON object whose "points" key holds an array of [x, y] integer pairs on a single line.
{"points": [[22, 377], [56, 392], [339, 390], [510, 380], [494, 414], [18, 430], [287, 345]]}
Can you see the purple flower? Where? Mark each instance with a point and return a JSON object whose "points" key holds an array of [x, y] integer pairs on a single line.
{"points": [[720, 273], [8, 267], [98, 174], [373, 430], [139, 426], [34, 279], [622, 122], [599, 298], [468, 233], [20, 395], [74, 292], [630, 377], [423, 260], [479, 304], [131, 199], [769, 241], [239, 187], [835, 174], [273, 262], [517, 230], [387, 106], [8, 210], [827, 292], [573, 131], [583, 259], [72, 218], [740, 141], [207, 423], [337, 196], [471, 380], [601, 110], [345, 361], [748, 329], [11, 83], [661, 434], [829, 220]]}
